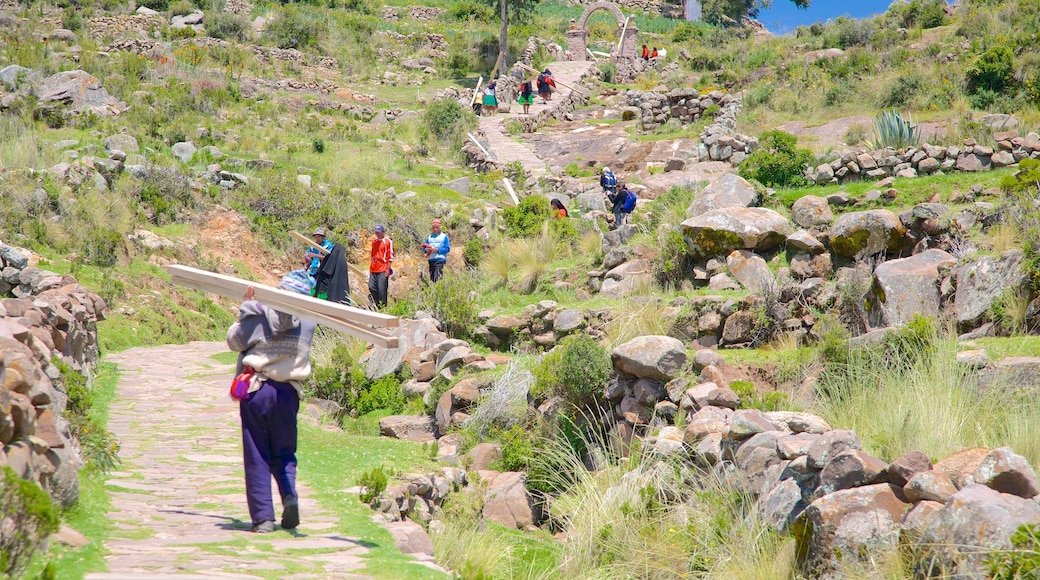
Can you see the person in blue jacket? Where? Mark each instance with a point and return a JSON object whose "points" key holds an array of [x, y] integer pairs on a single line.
{"points": [[312, 259], [436, 247]]}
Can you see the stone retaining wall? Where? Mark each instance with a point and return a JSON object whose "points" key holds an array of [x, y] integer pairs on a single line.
{"points": [[43, 316], [926, 160]]}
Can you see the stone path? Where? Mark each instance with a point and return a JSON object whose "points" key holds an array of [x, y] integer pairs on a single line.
{"points": [[504, 147], [178, 503]]}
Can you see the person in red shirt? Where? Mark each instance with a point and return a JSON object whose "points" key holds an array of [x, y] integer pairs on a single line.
{"points": [[380, 268], [646, 53]]}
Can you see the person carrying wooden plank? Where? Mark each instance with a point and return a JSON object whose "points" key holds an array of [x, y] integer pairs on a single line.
{"points": [[274, 358]]}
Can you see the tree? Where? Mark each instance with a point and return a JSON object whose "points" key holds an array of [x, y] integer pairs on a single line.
{"points": [[719, 11], [522, 11]]}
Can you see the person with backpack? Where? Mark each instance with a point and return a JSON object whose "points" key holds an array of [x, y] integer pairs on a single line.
{"points": [[624, 202], [273, 360], [544, 89], [607, 181]]}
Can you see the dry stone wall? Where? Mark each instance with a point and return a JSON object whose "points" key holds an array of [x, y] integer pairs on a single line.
{"points": [[43, 316], [719, 140]]}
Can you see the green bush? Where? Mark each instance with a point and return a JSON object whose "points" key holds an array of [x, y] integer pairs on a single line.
{"points": [[517, 449], [576, 370], [226, 26], [181, 7], [29, 517], [902, 91], [447, 121], [98, 446], [1022, 561], [451, 301], [1020, 191], [525, 220], [339, 382], [383, 393], [293, 29], [318, 145], [993, 71], [779, 161], [468, 9], [157, 5], [473, 252], [373, 483], [609, 71], [750, 398], [685, 32]]}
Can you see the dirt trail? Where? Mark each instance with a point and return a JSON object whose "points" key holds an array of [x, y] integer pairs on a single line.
{"points": [[178, 501]]}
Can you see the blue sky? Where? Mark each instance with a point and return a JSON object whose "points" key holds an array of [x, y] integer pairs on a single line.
{"points": [[784, 16]]}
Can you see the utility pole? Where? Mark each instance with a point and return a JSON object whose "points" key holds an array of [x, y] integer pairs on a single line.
{"points": [[503, 38]]}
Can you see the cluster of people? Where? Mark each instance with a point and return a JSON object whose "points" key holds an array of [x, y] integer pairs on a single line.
{"points": [[329, 270], [544, 83]]}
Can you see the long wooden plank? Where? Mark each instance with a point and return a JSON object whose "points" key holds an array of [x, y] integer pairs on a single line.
{"points": [[373, 336], [476, 91], [234, 288], [622, 39], [357, 271], [580, 90], [509, 188]]}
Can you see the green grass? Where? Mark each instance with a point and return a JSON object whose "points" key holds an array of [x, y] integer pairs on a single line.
{"points": [[911, 190], [227, 358], [332, 462], [89, 515], [1001, 347]]}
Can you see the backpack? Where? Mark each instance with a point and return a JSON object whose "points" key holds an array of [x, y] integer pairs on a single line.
{"points": [[609, 180], [630, 201]]}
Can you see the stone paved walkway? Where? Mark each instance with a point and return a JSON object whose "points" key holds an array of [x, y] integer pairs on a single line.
{"points": [[178, 501], [504, 147]]}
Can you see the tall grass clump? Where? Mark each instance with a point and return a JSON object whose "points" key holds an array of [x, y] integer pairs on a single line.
{"points": [[446, 121], [892, 130], [451, 301], [638, 315], [911, 394]]}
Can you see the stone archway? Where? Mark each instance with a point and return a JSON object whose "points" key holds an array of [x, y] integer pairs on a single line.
{"points": [[577, 36]]}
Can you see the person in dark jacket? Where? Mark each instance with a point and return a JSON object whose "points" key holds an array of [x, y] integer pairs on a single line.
{"points": [[332, 282], [276, 346]]}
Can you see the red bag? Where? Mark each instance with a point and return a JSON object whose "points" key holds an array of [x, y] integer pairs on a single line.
{"points": [[240, 385]]}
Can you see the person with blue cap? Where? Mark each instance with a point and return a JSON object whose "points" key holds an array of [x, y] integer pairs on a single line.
{"points": [[274, 356]]}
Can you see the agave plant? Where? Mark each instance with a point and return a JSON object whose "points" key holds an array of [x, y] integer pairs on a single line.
{"points": [[892, 130]]}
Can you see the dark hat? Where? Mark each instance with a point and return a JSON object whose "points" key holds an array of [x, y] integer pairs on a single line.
{"points": [[379, 229]]}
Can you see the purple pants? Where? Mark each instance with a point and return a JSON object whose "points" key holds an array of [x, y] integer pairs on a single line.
{"points": [[269, 445]]}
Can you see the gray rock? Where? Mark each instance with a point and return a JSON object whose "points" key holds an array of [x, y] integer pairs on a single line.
{"points": [[728, 191], [929, 486], [865, 233], [410, 537], [653, 357], [847, 525], [79, 92], [798, 422], [724, 230], [750, 270], [14, 77], [1014, 372], [905, 467], [748, 422], [387, 361], [831, 444], [974, 522], [410, 427], [851, 468], [810, 211], [906, 287], [184, 151], [981, 282], [461, 185], [568, 321], [781, 505], [805, 242], [508, 503], [1007, 472]]}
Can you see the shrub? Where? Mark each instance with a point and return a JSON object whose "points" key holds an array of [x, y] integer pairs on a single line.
{"points": [[181, 7], [526, 219], [779, 162], [339, 381], [473, 252], [293, 29], [902, 91], [383, 393], [157, 5], [576, 370], [373, 483], [846, 32], [993, 71], [318, 145], [226, 26], [1020, 191], [468, 9], [99, 447], [609, 71], [445, 120], [686, 31], [29, 517], [451, 302], [517, 448], [750, 398], [1023, 560]]}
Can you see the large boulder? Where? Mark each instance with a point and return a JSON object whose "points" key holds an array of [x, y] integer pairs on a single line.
{"points": [[730, 190], [1012, 373], [80, 92], [907, 286], [848, 524], [720, 231], [811, 211], [508, 503], [627, 278], [982, 281], [410, 537], [410, 427], [650, 357], [750, 270], [975, 521], [864, 233]]}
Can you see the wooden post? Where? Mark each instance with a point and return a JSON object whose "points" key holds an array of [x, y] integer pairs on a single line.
{"points": [[594, 59], [579, 90], [337, 316], [477, 143], [621, 40], [476, 90], [509, 188]]}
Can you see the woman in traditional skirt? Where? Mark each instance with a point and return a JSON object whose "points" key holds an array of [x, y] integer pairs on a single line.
{"points": [[490, 102], [526, 97]]}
